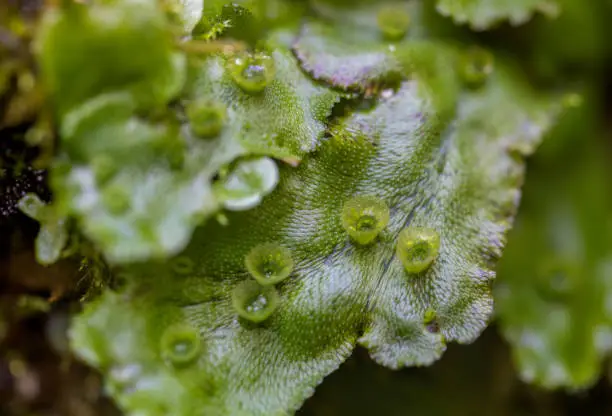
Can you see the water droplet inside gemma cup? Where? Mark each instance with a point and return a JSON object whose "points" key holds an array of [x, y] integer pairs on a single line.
{"points": [[475, 67], [253, 301], [180, 344], [206, 118], [364, 217], [269, 263], [417, 248], [252, 72], [393, 22]]}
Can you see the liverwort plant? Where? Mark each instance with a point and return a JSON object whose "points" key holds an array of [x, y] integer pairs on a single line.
{"points": [[280, 181]]}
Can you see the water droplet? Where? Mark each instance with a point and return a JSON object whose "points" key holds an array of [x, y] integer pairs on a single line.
{"points": [[180, 344], [248, 182], [253, 301], [206, 118], [269, 263], [417, 248], [364, 217], [252, 72], [183, 265], [393, 22], [387, 93], [476, 66], [116, 199]]}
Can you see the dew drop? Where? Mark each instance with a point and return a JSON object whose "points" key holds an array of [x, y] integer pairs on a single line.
{"points": [[364, 217], [393, 22], [253, 301], [387, 93], [247, 183], [269, 263], [417, 248], [180, 344], [206, 118], [183, 265], [252, 72], [476, 65]]}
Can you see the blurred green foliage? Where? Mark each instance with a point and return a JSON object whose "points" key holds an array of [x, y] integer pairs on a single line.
{"points": [[555, 280]]}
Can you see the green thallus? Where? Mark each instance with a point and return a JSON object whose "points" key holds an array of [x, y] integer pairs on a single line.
{"points": [[363, 217]]}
